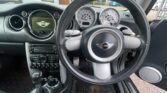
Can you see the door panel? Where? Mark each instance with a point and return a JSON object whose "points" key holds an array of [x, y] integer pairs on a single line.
{"points": [[154, 69]]}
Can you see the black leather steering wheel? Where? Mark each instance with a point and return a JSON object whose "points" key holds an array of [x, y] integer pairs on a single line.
{"points": [[102, 44]]}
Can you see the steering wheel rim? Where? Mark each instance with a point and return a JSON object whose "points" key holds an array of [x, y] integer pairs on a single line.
{"points": [[141, 21]]}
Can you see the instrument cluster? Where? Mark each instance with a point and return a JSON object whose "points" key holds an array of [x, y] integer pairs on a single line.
{"points": [[87, 17]]}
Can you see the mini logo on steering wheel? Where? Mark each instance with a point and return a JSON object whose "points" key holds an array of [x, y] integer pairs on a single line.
{"points": [[105, 45]]}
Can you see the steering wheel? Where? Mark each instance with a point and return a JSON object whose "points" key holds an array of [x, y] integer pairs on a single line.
{"points": [[101, 45]]}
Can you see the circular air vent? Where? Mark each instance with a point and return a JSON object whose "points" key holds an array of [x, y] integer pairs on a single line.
{"points": [[16, 22]]}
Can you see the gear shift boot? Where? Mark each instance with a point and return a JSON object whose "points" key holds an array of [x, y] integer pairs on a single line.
{"points": [[42, 90]]}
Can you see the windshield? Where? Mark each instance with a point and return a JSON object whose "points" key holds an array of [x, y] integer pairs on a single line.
{"points": [[158, 11], [97, 3], [10, 1]]}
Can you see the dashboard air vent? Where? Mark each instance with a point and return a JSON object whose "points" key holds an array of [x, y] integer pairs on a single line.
{"points": [[16, 22]]}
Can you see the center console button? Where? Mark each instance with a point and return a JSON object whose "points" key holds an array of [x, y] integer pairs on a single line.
{"points": [[42, 65], [55, 65], [33, 65], [38, 65], [43, 60], [47, 65]]}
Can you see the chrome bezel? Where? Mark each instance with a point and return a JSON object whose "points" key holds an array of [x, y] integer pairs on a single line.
{"points": [[151, 79], [31, 31], [10, 24], [119, 17], [93, 11]]}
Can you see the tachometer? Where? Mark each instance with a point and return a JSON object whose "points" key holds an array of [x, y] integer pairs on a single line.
{"points": [[86, 17], [109, 16]]}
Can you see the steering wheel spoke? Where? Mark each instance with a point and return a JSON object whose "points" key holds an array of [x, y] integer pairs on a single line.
{"points": [[73, 43], [132, 42], [102, 71], [73, 40]]}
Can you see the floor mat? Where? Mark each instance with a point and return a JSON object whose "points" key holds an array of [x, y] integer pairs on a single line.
{"points": [[80, 87], [16, 79]]}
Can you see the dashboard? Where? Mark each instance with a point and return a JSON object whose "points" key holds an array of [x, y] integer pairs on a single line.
{"points": [[41, 23], [32, 23], [37, 23]]}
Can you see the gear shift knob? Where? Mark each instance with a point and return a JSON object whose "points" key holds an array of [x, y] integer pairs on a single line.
{"points": [[52, 81], [36, 77], [37, 80]]}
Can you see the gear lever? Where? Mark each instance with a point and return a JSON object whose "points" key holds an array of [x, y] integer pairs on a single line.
{"points": [[52, 81], [37, 79], [53, 85]]}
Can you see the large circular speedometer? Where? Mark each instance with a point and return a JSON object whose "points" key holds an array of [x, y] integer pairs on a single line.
{"points": [[86, 17], [41, 24], [109, 16]]}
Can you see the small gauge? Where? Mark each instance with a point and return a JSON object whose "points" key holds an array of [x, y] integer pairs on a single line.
{"points": [[56, 15], [109, 16], [24, 13], [86, 17]]}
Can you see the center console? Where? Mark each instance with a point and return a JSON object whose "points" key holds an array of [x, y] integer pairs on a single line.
{"points": [[43, 65], [43, 57]]}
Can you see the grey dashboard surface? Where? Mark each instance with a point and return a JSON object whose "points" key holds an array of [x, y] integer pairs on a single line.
{"points": [[9, 35], [10, 40]]}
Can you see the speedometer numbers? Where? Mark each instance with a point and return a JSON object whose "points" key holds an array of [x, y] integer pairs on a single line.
{"points": [[86, 17], [109, 16]]}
